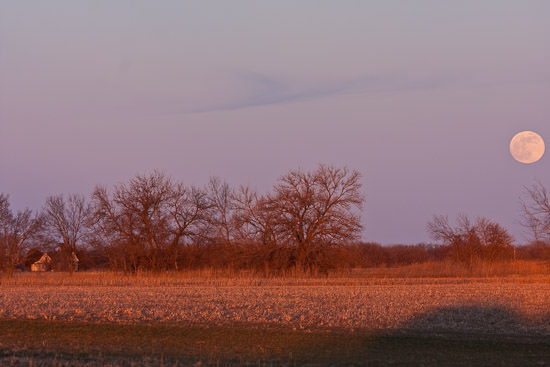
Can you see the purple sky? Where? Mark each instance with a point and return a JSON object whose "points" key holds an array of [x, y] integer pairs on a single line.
{"points": [[421, 97]]}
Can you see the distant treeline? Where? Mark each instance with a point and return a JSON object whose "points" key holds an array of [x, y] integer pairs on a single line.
{"points": [[266, 261], [309, 221]]}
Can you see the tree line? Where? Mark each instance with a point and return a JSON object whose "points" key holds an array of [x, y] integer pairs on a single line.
{"points": [[309, 220], [155, 223]]}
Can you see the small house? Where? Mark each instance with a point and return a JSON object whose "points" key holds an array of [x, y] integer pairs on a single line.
{"points": [[43, 264]]}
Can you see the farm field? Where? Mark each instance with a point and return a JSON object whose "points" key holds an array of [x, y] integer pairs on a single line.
{"points": [[153, 320]]}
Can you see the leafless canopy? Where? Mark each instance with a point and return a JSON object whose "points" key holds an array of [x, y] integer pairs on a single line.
{"points": [[536, 212], [68, 223], [471, 240], [255, 218], [143, 223], [318, 208], [221, 205], [17, 231]]}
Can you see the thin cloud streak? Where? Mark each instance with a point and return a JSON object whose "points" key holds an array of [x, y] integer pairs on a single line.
{"points": [[264, 90]]}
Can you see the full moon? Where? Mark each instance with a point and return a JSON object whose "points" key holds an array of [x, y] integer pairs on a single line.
{"points": [[527, 147]]}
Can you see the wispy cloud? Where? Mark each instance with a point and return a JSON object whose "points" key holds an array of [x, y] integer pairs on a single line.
{"points": [[264, 90]]}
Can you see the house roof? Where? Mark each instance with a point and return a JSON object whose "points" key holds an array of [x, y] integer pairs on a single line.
{"points": [[45, 259]]}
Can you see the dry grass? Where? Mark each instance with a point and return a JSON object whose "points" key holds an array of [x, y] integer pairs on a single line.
{"points": [[431, 272], [451, 269]]}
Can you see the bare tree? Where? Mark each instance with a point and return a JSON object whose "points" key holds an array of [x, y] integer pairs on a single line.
{"points": [[318, 209], [536, 211], [255, 218], [188, 210], [4, 207], [495, 239], [481, 239], [144, 223], [68, 223], [221, 210], [135, 218], [17, 231], [116, 231]]}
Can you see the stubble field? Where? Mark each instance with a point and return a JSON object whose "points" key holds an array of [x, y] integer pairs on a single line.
{"points": [[511, 310]]}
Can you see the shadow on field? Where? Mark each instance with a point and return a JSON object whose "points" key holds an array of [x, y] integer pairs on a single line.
{"points": [[472, 335], [479, 319]]}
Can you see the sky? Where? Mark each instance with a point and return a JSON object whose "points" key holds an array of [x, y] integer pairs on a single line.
{"points": [[421, 97]]}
